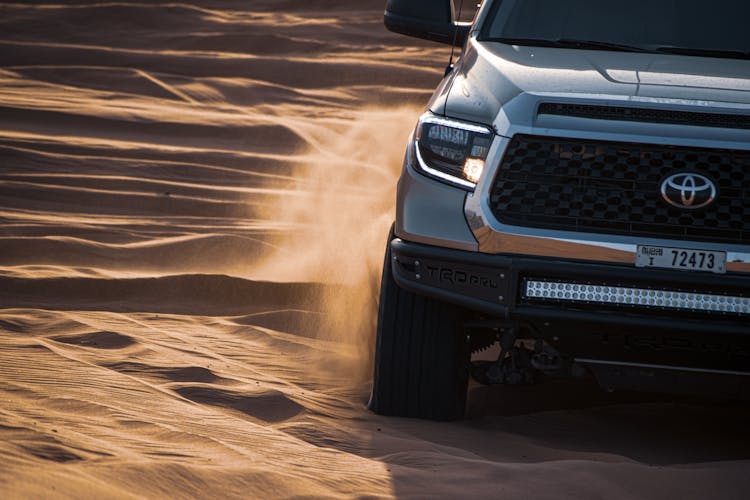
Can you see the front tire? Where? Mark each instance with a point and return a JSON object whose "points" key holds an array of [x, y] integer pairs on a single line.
{"points": [[421, 354]]}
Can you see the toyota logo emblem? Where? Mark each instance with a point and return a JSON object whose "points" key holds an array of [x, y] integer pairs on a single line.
{"points": [[689, 191]]}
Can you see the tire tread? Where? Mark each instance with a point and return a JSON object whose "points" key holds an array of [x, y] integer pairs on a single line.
{"points": [[421, 357]]}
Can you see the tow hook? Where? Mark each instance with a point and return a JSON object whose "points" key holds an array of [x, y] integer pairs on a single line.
{"points": [[548, 361], [512, 367]]}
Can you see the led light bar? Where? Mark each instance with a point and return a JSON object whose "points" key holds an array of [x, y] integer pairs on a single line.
{"points": [[601, 294]]}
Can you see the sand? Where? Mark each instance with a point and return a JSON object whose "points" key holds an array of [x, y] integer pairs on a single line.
{"points": [[194, 199]]}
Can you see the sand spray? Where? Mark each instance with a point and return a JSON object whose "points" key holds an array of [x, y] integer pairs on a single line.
{"points": [[339, 211]]}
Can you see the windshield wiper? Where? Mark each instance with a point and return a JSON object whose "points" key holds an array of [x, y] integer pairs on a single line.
{"points": [[687, 51], [598, 45], [567, 43]]}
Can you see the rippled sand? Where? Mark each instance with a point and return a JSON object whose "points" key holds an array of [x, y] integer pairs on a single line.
{"points": [[193, 202]]}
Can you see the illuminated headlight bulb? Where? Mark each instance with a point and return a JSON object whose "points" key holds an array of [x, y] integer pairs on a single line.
{"points": [[450, 150], [473, 169]]}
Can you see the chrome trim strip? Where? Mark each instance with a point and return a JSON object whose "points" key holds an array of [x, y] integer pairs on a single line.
{"points": [[660, 367], [542, 243]]}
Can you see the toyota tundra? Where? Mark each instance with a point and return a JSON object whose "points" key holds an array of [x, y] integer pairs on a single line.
{"points": [[577, 195]]}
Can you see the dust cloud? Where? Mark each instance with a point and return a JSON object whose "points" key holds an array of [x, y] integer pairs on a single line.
{"points": [[339, 209]]}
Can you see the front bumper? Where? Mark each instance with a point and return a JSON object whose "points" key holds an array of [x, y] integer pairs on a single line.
{"points": [[598, 335]]}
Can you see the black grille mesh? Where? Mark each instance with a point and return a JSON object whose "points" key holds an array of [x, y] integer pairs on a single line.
{"points": [[614, 188], [675, 117]]}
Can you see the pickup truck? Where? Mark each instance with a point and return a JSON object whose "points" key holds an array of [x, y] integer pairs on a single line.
{"points": [[577, 192]]}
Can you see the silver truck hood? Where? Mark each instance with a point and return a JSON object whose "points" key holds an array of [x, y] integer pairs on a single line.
{"points": [[491, 74]]}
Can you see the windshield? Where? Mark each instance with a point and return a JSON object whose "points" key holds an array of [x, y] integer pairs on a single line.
{"points": [[699, 27]]}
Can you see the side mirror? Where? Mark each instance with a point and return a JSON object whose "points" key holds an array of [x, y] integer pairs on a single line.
{"points": [[428, 19]]}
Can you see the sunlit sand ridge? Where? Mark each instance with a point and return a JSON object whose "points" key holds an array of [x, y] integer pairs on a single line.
{"points": [[194, 202]]}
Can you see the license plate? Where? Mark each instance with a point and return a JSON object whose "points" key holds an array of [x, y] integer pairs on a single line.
{"points": [[681, 258]]}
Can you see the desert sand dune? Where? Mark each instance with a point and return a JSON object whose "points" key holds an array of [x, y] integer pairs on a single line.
{"points": [[194, 199]]}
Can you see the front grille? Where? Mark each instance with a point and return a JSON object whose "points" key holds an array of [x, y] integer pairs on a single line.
{"points": [[622, 113], [614, 188]]}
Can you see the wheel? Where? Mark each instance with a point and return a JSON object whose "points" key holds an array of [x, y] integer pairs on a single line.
{"points": [[421, 354]]}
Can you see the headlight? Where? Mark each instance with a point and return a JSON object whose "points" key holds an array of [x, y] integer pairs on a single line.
{"points": [[450, 150]]}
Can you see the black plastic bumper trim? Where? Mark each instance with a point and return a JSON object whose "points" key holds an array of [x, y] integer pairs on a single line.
{"points": [[491, 284]]}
